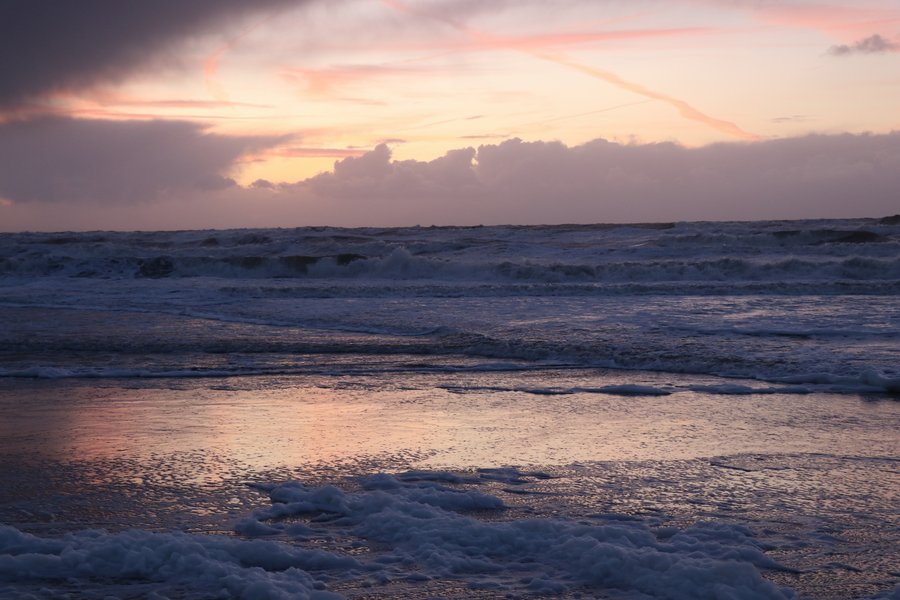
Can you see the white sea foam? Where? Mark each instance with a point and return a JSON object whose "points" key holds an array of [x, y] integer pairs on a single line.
{"points": [[418, 518], [419, 528], [218, 566]]}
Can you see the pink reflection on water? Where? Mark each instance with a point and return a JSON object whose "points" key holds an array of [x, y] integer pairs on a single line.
{"points": [[431, 421]]}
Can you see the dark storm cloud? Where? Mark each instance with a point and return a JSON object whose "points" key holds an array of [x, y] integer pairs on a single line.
{"points": [[73, 160], [50, 45], [874, 44]]}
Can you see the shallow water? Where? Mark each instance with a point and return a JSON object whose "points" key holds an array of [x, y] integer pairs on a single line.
{"points": [[449, 420], [815, 477]]}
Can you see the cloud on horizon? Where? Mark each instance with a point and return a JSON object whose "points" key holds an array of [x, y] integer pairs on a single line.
{"points": [[48, 46], [177, 168], [548, 182], [72, 161]]}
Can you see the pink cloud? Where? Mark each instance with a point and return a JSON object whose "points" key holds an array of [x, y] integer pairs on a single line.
{"points": [[480, 40], [842, 22], [861, 27], [303, 152], [536, 42], [326, 81]]}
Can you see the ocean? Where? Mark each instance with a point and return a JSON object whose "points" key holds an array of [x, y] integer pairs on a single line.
{"points": [[666, 410]]}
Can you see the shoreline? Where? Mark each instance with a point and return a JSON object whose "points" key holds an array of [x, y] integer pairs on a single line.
{"points": [[814, 489]]}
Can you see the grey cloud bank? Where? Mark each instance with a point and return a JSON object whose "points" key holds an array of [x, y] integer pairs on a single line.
{"points": [[548, 182], [74, 161], [92, 174]]}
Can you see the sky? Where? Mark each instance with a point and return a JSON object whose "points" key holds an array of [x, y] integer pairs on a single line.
{"points": [[183, 114]]}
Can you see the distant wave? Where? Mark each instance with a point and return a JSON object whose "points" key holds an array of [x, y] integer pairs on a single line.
{"points": [[766, 301], [402, 266], [833, 253]]}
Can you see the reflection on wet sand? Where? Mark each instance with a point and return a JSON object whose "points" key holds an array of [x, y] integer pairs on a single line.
{"points": [[178, 455], [434, 421]]}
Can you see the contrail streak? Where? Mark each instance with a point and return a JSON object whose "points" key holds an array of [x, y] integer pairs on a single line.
{"points": [[684, 109]]}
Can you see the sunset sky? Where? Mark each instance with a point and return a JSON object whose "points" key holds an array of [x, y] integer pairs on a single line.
{"points": [[226, 113]]}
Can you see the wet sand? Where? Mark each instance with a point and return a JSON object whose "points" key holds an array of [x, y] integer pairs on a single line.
{"points": [[815, 476]]}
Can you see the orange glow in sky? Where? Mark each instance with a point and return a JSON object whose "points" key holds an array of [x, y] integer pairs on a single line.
{"points": [[344, 77], [302, 84]]}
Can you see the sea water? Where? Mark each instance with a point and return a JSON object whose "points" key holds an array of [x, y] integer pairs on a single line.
{"points": [[673, 410]]}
